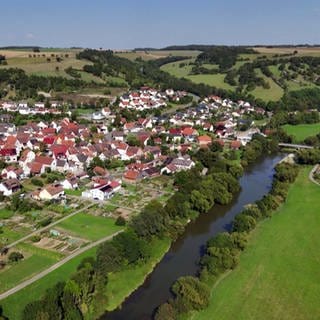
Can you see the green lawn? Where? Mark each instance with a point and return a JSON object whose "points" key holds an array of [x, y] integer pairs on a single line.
{"points": [[6, 213], [278, 275], [89, 226], [76, 192], [36, 260], [121, 284], [302, 131], [13, 305], [8, 235]]}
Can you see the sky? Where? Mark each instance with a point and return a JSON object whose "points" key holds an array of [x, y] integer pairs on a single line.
{"points": [[128, 24]]}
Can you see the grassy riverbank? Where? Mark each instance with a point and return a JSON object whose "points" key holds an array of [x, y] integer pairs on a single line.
{"points": [[121, 284], [278, 273]]}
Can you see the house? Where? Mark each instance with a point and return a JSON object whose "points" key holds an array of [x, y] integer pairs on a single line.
{"points": [[235, 144], [102, 192], [50, 192], [13, 173], [204, 140], [70, 183], [178, 164], [246, 136], [132, 176], [62, 165], [9, 186], [9, 154], [46, 162]]}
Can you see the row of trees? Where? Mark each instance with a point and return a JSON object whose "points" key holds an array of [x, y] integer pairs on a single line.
{"points": [[222, 252]]}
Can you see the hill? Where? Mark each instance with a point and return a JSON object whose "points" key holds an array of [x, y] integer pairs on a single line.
{"points": [[263, 72]]}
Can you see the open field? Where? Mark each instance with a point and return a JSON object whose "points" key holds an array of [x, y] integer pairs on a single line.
{"points": [[156, 54], [14, 305], [280, 50], [273, 94], [302, 131], [215, 80], [35, 260], [278, 274], [89, 227], [175, 69], [121, 284]]}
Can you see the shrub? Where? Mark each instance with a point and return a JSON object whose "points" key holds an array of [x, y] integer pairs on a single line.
{"points": [[120, 221], [243, 222], [35, 238], [15, 256], [37, 182]]}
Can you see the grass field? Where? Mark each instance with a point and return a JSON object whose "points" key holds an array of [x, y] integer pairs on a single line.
{"points": [[278, 275], [121, 284], [6, 213], [14, 305], [36, 260], [39, 65], [302, 131], [273, 94], [89, 226]]}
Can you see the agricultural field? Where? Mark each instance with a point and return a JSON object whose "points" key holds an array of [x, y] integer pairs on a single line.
{"points": [[89, 226], [278, 273], [302, 131], [35, 260], [44, 63], [313, 51], [156, 54], [14, 305]]}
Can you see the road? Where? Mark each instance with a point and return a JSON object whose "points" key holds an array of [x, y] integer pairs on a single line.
{"points": [[311, 178], [47, 227], [55, 266]]}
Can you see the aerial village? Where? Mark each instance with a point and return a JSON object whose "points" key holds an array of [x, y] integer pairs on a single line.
{"points": [[59, 165]]}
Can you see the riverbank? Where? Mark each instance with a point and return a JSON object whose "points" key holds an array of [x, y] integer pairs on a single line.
{"points": [[123, 283], [278, 273]]}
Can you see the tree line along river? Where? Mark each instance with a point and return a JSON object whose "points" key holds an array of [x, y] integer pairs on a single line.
{"points": [[183, 257]]}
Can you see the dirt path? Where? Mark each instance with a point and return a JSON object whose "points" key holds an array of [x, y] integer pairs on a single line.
{"points": [[311, 175], [55, 266]]}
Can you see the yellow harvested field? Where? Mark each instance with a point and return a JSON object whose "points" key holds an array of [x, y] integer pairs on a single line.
{"points": [[281, 50]]}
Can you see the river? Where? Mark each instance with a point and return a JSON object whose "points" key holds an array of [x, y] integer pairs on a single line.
{"points": [[183, 257]]}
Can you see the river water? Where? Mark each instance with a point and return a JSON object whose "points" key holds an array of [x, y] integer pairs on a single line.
{"points": [[183, 257]]}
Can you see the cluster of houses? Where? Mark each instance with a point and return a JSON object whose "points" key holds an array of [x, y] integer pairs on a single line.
{"points": [[161, 144], [25, 108], [148, 98]]}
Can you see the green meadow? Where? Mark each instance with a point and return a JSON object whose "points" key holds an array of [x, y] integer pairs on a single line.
{"points": [[278, 275]]}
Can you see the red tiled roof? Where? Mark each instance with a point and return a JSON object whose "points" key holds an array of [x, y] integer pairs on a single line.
{"points": [[235, 144], [43, 160], [131, 175]]}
